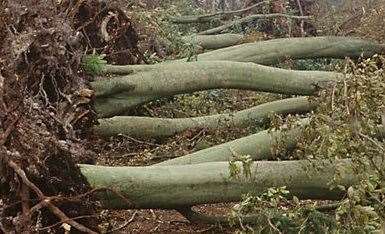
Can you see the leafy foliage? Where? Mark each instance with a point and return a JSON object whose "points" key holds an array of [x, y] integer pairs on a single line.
{"points": [[346, 126], [94, 64]]}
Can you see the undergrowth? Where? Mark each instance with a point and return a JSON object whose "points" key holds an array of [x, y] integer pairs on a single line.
{"points": [[347, 126]]}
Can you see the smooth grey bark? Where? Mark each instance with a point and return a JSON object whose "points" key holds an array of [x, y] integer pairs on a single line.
{"points": [[119, 103], [178, 78], [273, 51], [213, 42], [170, 187], [258, 146], [136, 126]]}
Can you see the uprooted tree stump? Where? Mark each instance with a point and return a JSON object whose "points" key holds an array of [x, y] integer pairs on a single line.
{"points": [[46, 103], [46, 108]]}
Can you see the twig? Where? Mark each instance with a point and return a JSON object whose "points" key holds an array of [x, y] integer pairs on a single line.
{"points": [[125, 224], [75, 218], [198, 135], [272, 225], [247, 19], [138, 141], [302, 21], [373, 141], [374, 164], [24, 195], [205, 18], [8, 131]]}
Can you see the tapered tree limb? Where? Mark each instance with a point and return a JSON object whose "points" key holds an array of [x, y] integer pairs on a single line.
{"points": [[273, 51], [258, 218], [258, 146], [136, 126], [179, 78], [248, 19], [171, 187], [213, 42], [187, 19], [196, 217], [126, 69], [119, 103]]}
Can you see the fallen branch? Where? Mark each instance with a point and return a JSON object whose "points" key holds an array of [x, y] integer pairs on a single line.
{"points": [[136, 126], [118, 103], [273, 51], [171, 187], [196, 217], [209, 17], [248, 19], [258, 146], [213, 42], [179, 78]]}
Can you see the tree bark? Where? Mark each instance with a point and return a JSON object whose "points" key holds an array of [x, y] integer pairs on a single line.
{"points": [[258, 146], [213, 42], [181, 78], [248, 19], [119, 103], [170, 187], [273, 51], [141, 127], [270, 52]]}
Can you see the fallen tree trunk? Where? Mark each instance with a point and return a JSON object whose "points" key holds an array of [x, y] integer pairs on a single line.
{"points": [[170, 187], [273, 51], [248, 19], [213, 42], [258, 146], [181, 78], [157, 127], [119, 103]]}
